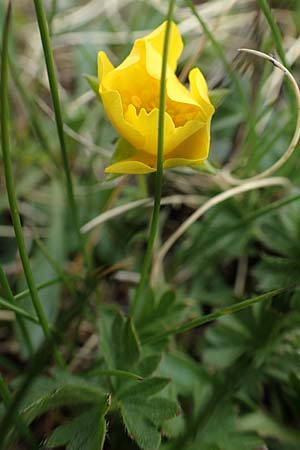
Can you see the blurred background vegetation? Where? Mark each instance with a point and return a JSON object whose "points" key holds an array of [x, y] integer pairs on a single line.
{"points": [[237, 380]]}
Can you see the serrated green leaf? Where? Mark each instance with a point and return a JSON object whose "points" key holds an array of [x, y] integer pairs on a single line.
{"points": [[148, 365], [140, 429], [110, 322], [130, 346], [166, 302], [147, 388], [85, 432], [119, 342], [67, 395], [156, 409], [174, 427]]}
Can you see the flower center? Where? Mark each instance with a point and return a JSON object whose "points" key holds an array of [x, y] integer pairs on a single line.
{"points": [[149, 100]]}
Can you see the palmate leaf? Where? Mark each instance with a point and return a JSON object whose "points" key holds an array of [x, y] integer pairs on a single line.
{"points": [[141, 429], [221, 432], [119, 343], [147, 388], [149, 364], [160, 313], [144, 417], [85, 432], [67, 395], [144, 413]]}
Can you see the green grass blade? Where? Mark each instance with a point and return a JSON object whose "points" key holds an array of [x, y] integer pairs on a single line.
{"points": [[45, 38], [39, 287], [8, 172], [20, 312]]}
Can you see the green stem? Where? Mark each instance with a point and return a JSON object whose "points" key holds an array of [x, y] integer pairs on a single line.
{"points": [[11, 188], [39, 287], [136, 305], [45, 37], [8, 293], [20, 313], [21, 426], [215, 315]]}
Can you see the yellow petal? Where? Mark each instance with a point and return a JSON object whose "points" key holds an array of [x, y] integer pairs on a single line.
{"points": [[177, 92], [113, 107], [195, 147], [199, 90], [129, 167], [156, 40], [148, 51], [177, 162], [147, 125], [104, 66], [181, 134]]}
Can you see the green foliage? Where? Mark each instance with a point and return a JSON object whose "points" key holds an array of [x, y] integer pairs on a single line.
{"points": [[119, 341], [144, 414], [86, 432], [130, 377]]}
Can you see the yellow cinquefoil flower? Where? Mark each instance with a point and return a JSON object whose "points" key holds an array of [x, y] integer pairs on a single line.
{"points": [[130, 95]]}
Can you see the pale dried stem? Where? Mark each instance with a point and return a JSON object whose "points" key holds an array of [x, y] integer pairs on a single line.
{"points": [[145, 202], [241, 276], [295, 139]]}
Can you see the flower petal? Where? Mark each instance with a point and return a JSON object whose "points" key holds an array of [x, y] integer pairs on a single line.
{"points": [[181, 134], [130, 167], [113, 107], [195, 147], [147, 125], [176, 162], [177, 92], [156, 40], [199, 91], [104, 66]]}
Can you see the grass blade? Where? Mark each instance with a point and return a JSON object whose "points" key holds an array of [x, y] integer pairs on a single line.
{"points": [[45, 37], [8, 172]]}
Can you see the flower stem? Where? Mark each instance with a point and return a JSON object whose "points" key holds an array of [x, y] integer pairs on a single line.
{"points": [[12, 199], [136, 304], [45, 38]]}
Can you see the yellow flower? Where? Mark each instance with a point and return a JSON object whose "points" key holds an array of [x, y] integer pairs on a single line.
{"points": [[130, 96]]}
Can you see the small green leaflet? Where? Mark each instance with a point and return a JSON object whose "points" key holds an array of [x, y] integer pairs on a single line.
{"points": [[85, 432]]}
